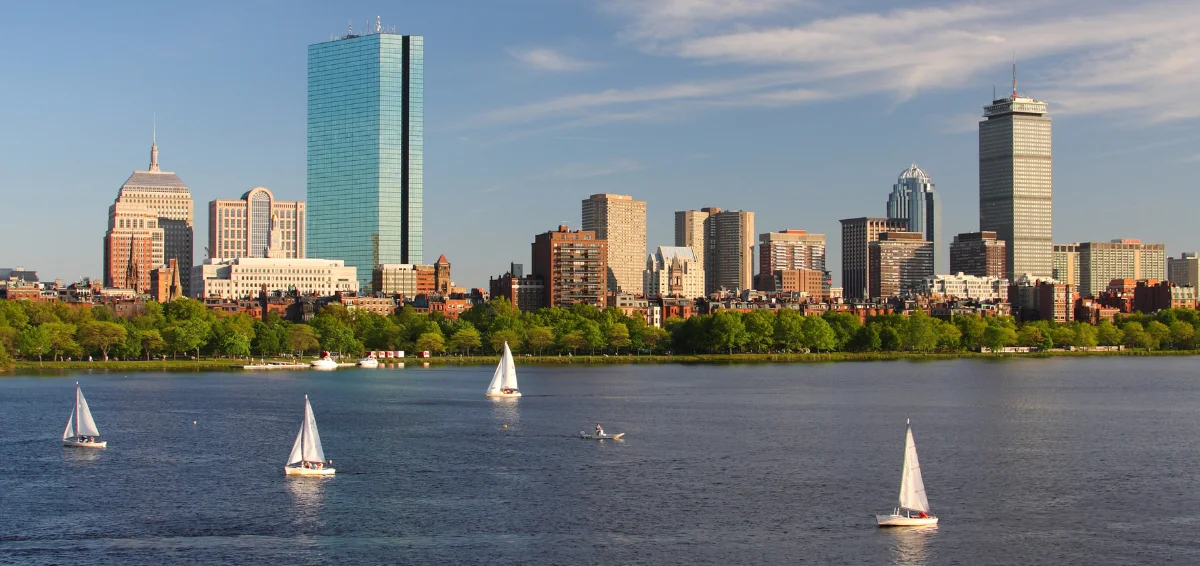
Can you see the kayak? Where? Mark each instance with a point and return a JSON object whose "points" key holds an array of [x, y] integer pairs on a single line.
{"points": [[587, 436]]}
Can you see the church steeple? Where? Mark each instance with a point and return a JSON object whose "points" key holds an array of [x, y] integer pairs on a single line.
{"points": [[154, 148]]}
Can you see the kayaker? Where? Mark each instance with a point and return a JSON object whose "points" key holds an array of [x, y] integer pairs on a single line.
{"points": [[599, 431]]}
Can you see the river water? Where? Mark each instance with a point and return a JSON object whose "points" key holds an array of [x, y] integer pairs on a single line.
{"points": [[1053, 461]]}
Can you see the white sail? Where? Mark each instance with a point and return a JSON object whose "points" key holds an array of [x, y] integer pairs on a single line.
{"points": [[297, 455], [84, 425], [501, 371], [510, 370], [311, 446], [70, 430], [912, 489]]}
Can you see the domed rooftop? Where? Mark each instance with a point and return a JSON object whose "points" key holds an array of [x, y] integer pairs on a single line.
{"points": [[914, 172]]}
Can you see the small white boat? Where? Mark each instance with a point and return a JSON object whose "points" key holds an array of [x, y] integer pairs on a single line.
{"points": [[81, 431], [324, 362], [275, 365], [307, 457], [368, 362], [504, 382], [587, 436], [912, 509]]}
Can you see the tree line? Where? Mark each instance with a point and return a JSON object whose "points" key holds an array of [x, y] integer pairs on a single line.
{"points": [[187, 328]]}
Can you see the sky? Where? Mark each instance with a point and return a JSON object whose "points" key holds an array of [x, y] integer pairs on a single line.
{"points": [[803, 111]]}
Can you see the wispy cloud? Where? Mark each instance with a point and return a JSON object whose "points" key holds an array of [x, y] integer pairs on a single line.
{"points": [[1139, 61], [549, 60], [587, 170], [1191, 159]]}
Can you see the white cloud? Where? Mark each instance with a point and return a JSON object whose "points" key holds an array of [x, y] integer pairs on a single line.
{"points": [[657, 20], [549, 60], [586, 170]]}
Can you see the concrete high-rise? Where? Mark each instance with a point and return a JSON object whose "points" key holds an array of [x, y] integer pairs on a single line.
{"points": [[149, 223], [979, 254], [729, 253], [1184, 270], [690, 230], [572, 267], [366, 150], [245, 227], [1066, 264], [857, 235], [899, 263], [621, 221], [788, 250], [1101, 262], [915, 199], [1015, 181]]}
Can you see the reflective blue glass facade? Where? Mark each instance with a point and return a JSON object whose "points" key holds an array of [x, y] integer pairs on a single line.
{"points": [[365, 150]]}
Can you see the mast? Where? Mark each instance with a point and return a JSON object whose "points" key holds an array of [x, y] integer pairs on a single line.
{"points": [[76, 408]]}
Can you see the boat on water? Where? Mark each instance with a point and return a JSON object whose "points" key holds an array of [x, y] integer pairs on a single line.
{"points": [[81, 431], [912, 509], [369, 362], [326, 361], [504, 381], [276, 365], [587, 436], [307, 457]]}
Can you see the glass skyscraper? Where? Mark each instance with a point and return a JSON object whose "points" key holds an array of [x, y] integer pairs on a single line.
{"points": [[915, 199], [365, 150]]}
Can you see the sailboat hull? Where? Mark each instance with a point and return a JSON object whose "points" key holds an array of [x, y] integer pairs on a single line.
{"points": [[513, 394], [302, 471], [83, 444], [902, 521]]}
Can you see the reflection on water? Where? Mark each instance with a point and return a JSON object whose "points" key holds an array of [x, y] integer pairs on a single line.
{"points": [[308, 499], [81, 455], [506, 411], [909, 544]]}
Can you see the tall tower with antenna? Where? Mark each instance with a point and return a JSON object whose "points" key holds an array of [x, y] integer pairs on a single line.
{"points": [[1016, 181]]}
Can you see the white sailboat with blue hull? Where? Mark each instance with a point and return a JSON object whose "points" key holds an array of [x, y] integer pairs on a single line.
{"points": [[912, 508], [81, 431], [504, 381], [307, 457]]}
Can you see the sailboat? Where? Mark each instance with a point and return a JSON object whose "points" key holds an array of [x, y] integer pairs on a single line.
{"points": [[81, 431], [307, 457], [504, 382], [912, 491]]}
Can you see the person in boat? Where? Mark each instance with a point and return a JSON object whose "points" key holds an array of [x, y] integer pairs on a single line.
{"points": [[507, 390], [923, 515], [599, 431]]}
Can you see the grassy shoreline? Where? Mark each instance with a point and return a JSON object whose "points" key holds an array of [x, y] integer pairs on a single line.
{"points": [[208, 365]]}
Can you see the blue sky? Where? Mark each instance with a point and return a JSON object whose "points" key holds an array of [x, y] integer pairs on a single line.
{"points": [[803, 111]]}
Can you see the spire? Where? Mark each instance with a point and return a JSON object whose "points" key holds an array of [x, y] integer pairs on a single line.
{"points": [[1014, 95], [154, 147]]}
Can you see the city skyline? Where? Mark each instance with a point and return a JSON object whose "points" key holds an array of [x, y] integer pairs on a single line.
{"points": [[485, 166]]}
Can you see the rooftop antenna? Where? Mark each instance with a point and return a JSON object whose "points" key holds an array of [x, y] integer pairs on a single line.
{"points": [[1014, 73], [154, 127], [378, 27], [351, 30]]}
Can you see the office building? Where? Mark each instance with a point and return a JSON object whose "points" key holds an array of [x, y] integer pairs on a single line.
{"points": [[621, 221], [527, 294], [244, 227], [149, 223], [673, 272], [1066, 264], [247, 277], [1015, 181], [366, 150], [899, 263], [1184, 270], [979, 254], [405, 279], [1101, 262], [970, 287], [788, 250], [857, 235], [690, 230], [800, 282], [572, 266], [915, 199], [729, 257]]}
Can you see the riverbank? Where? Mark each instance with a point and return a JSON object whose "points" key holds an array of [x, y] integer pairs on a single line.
{"points": [[208, 365]]}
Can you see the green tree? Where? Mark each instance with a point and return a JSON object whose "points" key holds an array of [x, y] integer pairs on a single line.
{"points": [[338, 337], [1136, 335], [844, 326], [1085, 335], [618, 336], [1030, 336], [302, 339], [187, 334], [728, 331], [34, 341], [466, 339], [949, 337], [6, 362], [431, 342], [789, 330], [997, 336], [1064, 335], [572, 341], [866, 339], [1182, 335], [1107, 334], [152, 342], [62, 339], [889, 338], [507, 336], [971, 327], [235, 345], [760, 330], [538, 338], [920, 335], [101, 336], [186, 309], [593, 337], [653, 337], [1159, 333], [818, 335]]}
